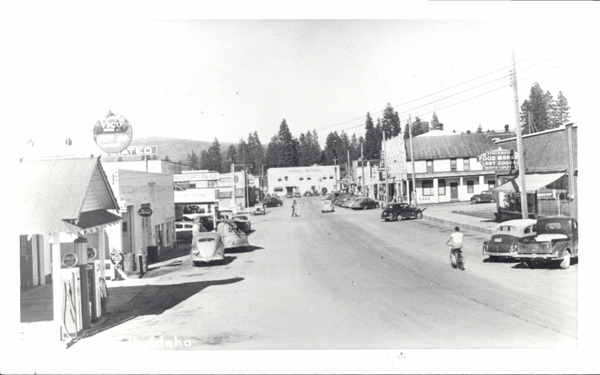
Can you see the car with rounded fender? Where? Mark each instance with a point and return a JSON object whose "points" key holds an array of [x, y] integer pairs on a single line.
{"points": [[395, 211], [232, 236], [505, 238], [485, 196], [363, 203], [557, 240], [272, 202], [327, 205], [207, 244]]}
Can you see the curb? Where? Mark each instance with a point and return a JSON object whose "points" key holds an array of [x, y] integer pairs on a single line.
{"points": [[458, 224]]}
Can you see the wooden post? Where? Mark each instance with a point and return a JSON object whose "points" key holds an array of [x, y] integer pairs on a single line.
{"points": [[524, 208]]}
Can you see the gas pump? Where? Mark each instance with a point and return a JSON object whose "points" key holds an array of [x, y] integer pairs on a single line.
{"points": [[71, 303]]}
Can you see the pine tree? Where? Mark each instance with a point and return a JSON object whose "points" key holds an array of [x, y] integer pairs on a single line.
{"points": [[561, 110], [231, 155], [214, 156], [435, 123], [192, 161], [391, 122], [371, 147]]}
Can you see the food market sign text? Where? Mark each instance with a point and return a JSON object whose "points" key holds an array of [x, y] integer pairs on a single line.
{"points": [[498, 159]]}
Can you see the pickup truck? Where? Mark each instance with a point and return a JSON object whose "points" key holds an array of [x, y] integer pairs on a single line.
{"points": [[557, 240]]}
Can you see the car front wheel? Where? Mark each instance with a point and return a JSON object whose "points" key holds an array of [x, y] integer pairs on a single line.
{"points": [[394, 217], [566, 261], [419, 215]]}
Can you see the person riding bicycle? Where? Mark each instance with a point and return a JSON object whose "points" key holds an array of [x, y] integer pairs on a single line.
{"points": [[455, 241]]}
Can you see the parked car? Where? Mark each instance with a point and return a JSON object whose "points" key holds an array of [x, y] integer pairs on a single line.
{"points": [[557, 240], [184, 231], [327, 206], [484, 197], [341, 199], [272, 201], [289, 195], [363, 203], [506, 236], [348, 201], [395, 211], [297, 195], [232, 236], [206, 247], [244, 222]]}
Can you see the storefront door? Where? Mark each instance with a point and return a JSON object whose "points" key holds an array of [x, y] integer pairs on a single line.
{"points": [[26, 262], [454, 190]]}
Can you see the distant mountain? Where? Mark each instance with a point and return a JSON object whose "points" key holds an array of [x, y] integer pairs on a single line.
{"points": [[176, 149]]}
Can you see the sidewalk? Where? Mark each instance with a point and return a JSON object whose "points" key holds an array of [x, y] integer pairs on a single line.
{"points": [[478, 217]]}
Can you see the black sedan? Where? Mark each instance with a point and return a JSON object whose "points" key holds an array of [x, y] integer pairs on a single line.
{"points": [[272, 202], [395, 211]]}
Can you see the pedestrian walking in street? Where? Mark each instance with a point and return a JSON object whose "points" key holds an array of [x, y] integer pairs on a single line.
{"points": [[294, 208], [456, 243]]}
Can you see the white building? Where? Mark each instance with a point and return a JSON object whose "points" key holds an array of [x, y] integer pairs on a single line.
{"points": [[302, 179]]}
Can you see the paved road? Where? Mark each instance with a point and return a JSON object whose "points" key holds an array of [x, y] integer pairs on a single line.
{"points": [[347, 280]]}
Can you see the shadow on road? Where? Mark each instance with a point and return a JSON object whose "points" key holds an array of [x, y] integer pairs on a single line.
{"points": [[128, 302], [247, 249]]}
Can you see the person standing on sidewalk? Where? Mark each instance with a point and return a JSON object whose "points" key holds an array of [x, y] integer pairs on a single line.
{"points": [[455, 241], [294, 208]]}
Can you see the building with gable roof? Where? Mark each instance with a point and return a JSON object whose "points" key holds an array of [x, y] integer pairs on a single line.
{"points": [[446, 167]]}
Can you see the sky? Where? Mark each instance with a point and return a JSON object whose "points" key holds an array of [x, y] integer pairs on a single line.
{"points": [[209, 79]]}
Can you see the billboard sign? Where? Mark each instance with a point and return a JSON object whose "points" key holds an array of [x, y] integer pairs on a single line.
{"points": [[138, 150], [499, 160], [113, 133]]}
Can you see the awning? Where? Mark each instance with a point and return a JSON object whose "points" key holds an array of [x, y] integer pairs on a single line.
{"points": [[533, 182]]}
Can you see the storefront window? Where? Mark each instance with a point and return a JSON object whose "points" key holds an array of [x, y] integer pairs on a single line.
{"points": [[427, 187], [470, 184], [491, 184], [441, 187]]}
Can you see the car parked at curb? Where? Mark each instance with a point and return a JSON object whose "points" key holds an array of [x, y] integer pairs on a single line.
{"points": [[363, 203], [557, 240], [395, 211], [485, 196], [505, 238]]}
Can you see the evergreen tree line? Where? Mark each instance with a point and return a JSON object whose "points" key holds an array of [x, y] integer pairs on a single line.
{"points": [[539, 112], [542, 112]]}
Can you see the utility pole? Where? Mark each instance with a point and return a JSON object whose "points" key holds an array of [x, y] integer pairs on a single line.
{"points": [[412, 160], [348, 171], [387, 199], [234, 209], [362, 164], [524, 209]]}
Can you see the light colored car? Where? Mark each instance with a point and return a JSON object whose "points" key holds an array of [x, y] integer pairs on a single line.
{"points": [[207, 247], [327, 206], [184, 231], [505, 238], [207, 242], [231, 236]]}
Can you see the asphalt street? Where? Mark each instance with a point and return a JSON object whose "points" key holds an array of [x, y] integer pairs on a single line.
{"points": [[347, 280]]}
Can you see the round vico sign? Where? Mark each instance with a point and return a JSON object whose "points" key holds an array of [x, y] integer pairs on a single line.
{"points": [[113, 134], [145, 212]]}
